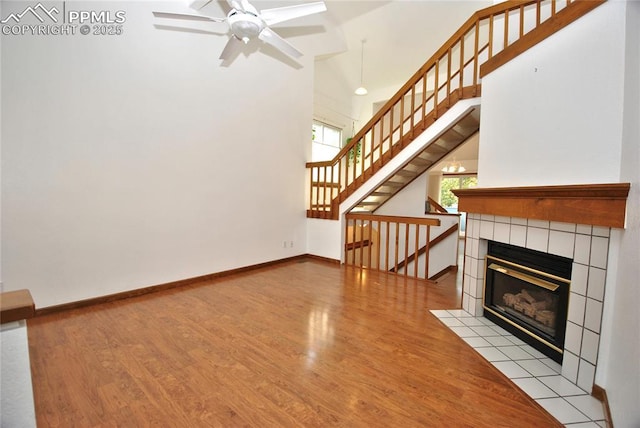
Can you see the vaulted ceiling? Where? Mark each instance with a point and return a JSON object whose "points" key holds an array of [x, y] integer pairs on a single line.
{"points": [[400, 35]]}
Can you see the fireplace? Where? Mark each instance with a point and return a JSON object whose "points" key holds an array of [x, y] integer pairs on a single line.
{"points": [[527, 292], [573, 221]]}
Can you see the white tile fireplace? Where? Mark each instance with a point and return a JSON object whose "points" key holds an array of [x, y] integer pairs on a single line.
{"points": [[572, 221], [587, 245]]}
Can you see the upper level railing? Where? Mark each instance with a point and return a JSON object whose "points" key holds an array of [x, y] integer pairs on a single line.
{"points": [[490, 38]]}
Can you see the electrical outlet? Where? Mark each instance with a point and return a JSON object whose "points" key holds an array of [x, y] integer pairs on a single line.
{"points": [[284, 244], [290, 244]]}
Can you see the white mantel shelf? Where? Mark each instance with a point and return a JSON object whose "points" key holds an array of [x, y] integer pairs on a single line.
{"points": [[593, 204]]}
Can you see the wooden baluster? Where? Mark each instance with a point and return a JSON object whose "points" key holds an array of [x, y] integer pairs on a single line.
{"points": [[362, 150], [361, 243], [448, 74], [370, 239], [521, 20], [401, 126], [506, 29], [436, 84], [324, 189], [427, 248], [353, 161], [311, 189], [395, 264], [406, 248], [490, 54], [415, 257], [378, 252], [391, 130], [538, 13], [424, 98], [368, 144], [335, 187], [386, 256], [381, 141], [553, 8], [461, 66], [342, 164], [413, 109], [330, 186], [318, 187], [475, 55], [347, 220], [373, 148], [354, 226]]}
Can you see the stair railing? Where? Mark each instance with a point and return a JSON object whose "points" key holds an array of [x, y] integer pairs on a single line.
{"points": [[490, 38], [384, 243]]}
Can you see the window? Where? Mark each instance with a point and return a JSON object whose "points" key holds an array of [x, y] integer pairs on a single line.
{"points": [[325, 142], [450, 201], [447, 199]]}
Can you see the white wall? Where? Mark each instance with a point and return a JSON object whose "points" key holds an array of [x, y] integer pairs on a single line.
{"points": [[324, 238], [621, 376], [565, 112], [409, 201], [135, 160], [553, 115]]}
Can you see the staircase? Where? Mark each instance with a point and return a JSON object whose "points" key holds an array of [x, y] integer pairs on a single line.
{"points": [[489, 38], [456, 134]]}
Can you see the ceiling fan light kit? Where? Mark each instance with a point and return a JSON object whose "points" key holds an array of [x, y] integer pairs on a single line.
{"points": [[246, 24]]}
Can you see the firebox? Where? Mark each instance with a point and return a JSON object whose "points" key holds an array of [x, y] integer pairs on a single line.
{"points": [[527, 293]]}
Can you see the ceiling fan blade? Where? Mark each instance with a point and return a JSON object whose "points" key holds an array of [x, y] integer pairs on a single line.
{"points": [[197, 4], [269, 36], [187, 17], [243, 6], [231, 49], [286, 13], [235, 4]]}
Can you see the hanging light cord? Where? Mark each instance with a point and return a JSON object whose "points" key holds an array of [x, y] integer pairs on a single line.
{"points": [[362, 62]]}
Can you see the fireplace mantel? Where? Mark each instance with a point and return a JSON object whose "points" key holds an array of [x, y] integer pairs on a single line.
{"points": [[594, 204]]}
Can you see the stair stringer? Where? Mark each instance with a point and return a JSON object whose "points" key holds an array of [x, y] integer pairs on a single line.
{"points": [[428, 136]]}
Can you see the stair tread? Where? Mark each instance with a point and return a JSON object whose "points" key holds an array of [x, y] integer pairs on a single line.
{"points": [[406, 173]]}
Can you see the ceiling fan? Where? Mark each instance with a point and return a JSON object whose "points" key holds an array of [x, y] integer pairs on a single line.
{"points": [[246, 23]]}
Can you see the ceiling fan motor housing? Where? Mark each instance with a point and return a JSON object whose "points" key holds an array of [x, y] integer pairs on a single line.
{"points": [[245, 26]]}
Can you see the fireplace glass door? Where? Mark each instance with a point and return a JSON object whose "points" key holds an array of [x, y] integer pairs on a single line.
{"points": [[529, 302]]}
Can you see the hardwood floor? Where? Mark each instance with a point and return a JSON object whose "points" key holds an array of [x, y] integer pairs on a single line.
{"points": [[298, 344]]}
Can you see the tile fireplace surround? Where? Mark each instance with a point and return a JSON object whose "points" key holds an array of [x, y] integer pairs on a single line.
{"points": [[569, 221], [588, 246]]}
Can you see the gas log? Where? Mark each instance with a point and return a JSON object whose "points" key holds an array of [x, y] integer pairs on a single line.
{"points": [[532, 304]]}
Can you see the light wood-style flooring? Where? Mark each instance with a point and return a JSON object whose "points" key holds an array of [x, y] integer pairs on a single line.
{"points": [[304, 343]]}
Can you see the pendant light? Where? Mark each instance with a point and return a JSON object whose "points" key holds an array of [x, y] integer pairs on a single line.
{"points": [[361, 90]]}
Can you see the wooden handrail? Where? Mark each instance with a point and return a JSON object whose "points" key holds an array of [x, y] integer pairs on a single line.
{"points": [[452, 73], [435, 241], [394, 219], [439, 208], [16, 305]]}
